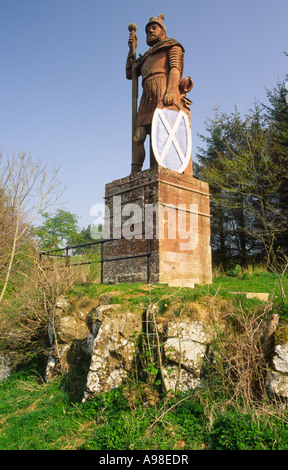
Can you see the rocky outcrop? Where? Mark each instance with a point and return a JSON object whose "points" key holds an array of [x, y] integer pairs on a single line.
{"points": [[179, 347], [186, 346], [277, 375], [112, 348], [68, 332], [277, 386], [110, 337], [280, 358]]}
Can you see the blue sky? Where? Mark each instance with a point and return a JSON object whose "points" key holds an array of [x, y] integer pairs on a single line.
{"points": [[63, 92]]}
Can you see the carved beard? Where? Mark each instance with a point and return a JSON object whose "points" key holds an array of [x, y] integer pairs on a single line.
{"points": [[153, 38]]}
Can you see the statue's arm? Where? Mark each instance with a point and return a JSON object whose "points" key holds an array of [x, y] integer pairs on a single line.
{"points": [[175, 58], [172, 95], [132, 43], [129, 67]]}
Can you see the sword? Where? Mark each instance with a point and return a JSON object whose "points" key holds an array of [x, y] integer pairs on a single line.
{"points": [[133, 28]]}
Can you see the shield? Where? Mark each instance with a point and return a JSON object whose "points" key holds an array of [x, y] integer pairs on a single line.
{"points": [[171, 139]]}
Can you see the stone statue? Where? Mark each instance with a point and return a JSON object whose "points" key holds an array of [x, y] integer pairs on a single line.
{"points": [[161, 68]]}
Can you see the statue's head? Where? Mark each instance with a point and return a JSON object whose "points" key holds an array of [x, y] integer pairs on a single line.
{"points": [[155, 30]]}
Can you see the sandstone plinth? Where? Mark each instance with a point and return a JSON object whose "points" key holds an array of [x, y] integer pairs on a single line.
{"points": [[166, 213]]}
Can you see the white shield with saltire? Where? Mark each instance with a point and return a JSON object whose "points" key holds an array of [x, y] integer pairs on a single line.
{"points": [[171, 139]]}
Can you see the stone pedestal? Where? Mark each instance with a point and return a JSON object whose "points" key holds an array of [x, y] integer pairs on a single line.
{"points": [[162, 214]]}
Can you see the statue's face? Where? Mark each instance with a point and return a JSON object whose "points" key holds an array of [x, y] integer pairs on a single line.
{"points": [[154, 34]]}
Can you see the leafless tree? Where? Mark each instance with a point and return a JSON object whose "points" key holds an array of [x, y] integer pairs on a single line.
{"points": [[27, 188]]}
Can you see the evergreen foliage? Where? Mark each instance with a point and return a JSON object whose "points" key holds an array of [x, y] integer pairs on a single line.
{"points": [[245, 162]]}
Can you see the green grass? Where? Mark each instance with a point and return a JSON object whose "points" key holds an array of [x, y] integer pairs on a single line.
{"points": [[256, 282], [137, 295], [233, 288], [39, 416], [50, 416]]}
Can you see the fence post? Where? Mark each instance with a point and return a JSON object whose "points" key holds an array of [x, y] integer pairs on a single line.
{"points": [[148, 260], [67, 256], [102, 267]]}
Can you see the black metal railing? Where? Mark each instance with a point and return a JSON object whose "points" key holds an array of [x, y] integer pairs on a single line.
{"points": [[102, 260]]}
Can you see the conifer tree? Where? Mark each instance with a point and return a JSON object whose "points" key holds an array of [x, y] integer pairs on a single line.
{"points": [[277, 116], [245, 180]]}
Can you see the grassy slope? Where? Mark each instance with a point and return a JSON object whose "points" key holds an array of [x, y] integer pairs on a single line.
{"points": [[36, 415], [133, 296]]}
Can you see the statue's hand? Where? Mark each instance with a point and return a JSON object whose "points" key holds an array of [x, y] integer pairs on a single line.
{"points": [[169, 99], [133, 40]]}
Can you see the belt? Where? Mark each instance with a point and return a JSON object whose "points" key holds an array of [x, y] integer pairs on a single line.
{"points": [[154, 74]]}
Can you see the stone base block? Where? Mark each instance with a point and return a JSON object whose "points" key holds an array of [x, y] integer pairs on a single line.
{"points": [[159, 221]]}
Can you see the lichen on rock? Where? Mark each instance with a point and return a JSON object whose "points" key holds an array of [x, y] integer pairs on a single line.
{"points": [[112, 352]]}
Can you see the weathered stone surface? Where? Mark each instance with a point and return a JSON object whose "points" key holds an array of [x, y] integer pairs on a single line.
{"points": [[280, 358], [186, 329], [277, 385], [264, 296], [186, 344], [4, 368], [71, 328], [178, 379], [185, 350], [106, 336], [56, 361], [180, 252], [112, 350], [111, 343], [71, 334], [188, 353], [61, 305], [277, 377]]}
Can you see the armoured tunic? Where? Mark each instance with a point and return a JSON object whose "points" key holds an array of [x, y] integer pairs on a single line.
{"points": [[154, 67]]}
